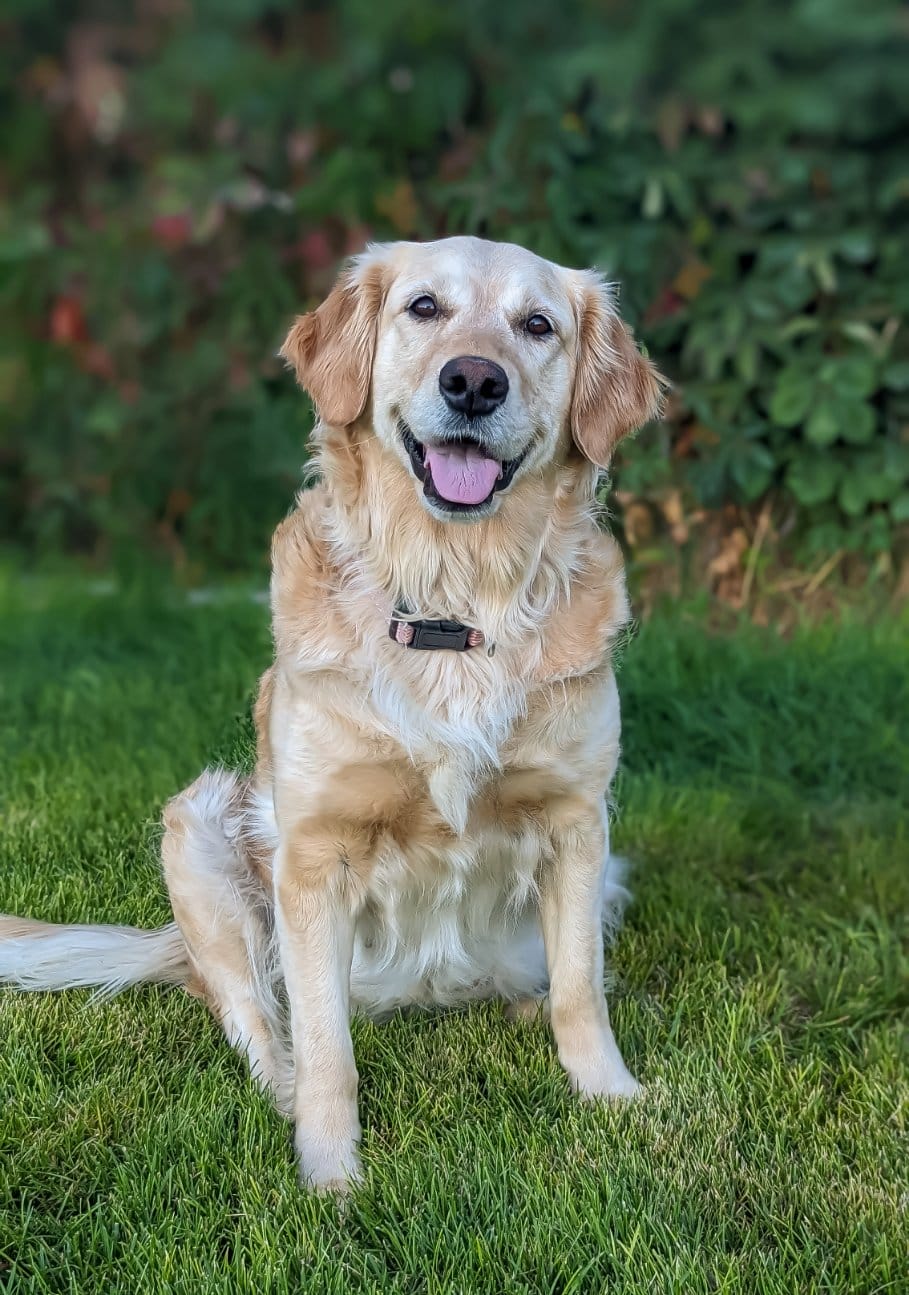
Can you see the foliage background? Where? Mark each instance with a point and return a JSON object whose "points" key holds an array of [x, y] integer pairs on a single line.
{"points": [[179, 176]]}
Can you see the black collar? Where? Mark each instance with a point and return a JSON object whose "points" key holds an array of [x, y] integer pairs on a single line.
{"points": [[428, 636]]}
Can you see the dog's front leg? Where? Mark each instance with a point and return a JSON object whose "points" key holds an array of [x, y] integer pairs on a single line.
{"points": [[316, 916], [571, 908]]}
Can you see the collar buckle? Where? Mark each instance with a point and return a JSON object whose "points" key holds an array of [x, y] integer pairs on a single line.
{"points": [[429, 636]]}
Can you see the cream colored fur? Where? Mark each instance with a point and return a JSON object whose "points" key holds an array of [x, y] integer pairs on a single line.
{"points": [[421, 828]]}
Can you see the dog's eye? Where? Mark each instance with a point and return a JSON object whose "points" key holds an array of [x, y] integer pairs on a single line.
{"points": [[424, 307], [539, 325]]}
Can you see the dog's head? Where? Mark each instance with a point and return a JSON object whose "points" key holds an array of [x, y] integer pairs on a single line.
{"points": [[476, 362]]}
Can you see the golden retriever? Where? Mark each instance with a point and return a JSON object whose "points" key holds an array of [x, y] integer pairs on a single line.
{"points": [[426, 823]]}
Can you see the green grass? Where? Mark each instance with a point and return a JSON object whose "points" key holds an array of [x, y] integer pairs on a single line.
{"points": [[760, 991]]}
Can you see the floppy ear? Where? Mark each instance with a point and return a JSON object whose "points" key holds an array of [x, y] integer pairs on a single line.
{"points": [[331, 349], [615, 388]]}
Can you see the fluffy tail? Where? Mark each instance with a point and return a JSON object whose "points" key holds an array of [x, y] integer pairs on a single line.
{"points": [[38, 955]]}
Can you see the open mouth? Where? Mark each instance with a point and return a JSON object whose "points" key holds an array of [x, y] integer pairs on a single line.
{"points": [[459, 475]]}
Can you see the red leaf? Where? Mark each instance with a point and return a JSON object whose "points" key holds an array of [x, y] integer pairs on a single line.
{"points": [[67, 322], [172, 231], [667, 303]]}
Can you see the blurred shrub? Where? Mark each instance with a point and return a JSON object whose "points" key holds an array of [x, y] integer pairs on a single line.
{"points": [[180, 176]]}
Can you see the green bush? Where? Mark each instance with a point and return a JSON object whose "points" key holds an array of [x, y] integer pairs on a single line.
{"points": [[179, 180]]}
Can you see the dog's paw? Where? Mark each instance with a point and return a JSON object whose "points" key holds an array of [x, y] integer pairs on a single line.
{"points": [[614, 1089], [330, 1166], [330, 1180], [604, 1082]]}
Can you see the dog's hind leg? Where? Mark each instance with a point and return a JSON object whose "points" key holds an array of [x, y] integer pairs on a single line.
{"points": [[223, 910]]}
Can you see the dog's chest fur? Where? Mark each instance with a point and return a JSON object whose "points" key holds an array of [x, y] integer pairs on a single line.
{"points": [[456, 763], [456, 716]]}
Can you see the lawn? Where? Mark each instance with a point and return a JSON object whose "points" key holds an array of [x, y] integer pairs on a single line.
{"points": [[759, 994]]}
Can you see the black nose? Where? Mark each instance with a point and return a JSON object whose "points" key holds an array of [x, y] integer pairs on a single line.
{"points": [[472, 385]]}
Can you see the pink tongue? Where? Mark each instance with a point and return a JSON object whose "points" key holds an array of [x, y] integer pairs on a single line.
{"points": [[461, 473]]}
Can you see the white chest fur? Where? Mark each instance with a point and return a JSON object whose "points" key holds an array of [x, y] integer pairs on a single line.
{"points": [[454, 714], [464, 927]]}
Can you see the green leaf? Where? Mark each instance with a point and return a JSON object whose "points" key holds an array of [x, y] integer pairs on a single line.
{"points": [[654, 199], [746, 361], [824, 424], [799, 327], [24, 241], [878, 534], [858, 331], [791, 398], [899, 509], [813, 478], [752, 468], [856, 246], [852, 496], [896, 376], [852, 376], [875, 469], [825, 273], [857, 423], [895, 456]]}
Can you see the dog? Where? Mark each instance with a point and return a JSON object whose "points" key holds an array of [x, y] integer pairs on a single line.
{"points": [[426, 823]]}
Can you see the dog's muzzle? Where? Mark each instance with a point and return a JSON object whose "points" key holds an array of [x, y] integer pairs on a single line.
{"points": [[459, 475]]}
